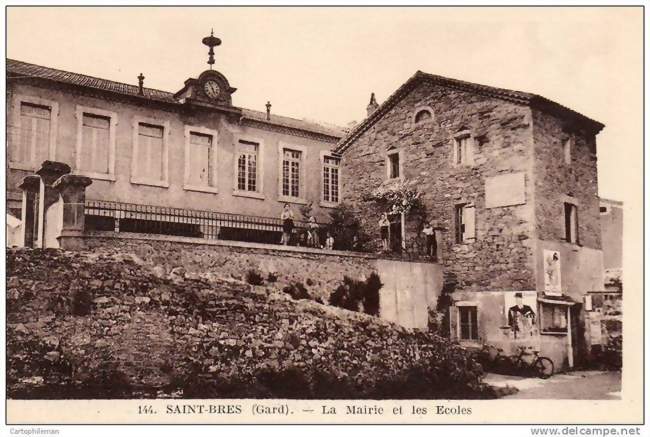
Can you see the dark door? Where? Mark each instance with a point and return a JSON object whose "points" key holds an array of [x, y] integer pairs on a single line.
{"points": [[577, 335], [395, 233]]}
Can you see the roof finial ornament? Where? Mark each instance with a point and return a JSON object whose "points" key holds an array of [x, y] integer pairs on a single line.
{"points": [[212, 42], [372, 106], [268, 110], [140, 84]]}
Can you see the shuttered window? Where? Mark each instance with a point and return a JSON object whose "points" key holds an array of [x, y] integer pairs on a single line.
{"points": [[33, 145], [463, 150], [201, 158], [465, 223], [247, 166], [95, 144], [571, 222], [149, 157]]}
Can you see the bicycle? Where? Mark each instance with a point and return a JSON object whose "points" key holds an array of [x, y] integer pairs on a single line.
{"points": [[490, 357], [540, 366]]}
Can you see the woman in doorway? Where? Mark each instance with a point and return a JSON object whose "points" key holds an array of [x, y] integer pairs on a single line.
{"points": [[287, 224], [384, 225]]}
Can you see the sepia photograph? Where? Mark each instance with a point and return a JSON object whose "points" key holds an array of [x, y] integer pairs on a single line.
{"points": [[351, 210]]}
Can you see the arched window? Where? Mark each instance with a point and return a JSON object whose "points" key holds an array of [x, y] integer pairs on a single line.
{"points": [[423, 115]]}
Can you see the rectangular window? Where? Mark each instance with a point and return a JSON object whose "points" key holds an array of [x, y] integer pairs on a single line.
{"points": [[465, 223], [554, 318], [150, 153], [468, 321], [291, 162], [571, 222], [247, 166], [33, 146], [393, 165], [463, 149], [200, 160], [567, 150], [94, 153], [330, 179]]}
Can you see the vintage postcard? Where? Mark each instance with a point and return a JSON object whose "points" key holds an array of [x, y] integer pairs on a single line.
{"points": [[324, 215]]}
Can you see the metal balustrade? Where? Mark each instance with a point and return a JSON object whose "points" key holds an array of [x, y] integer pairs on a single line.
{"points": [[103, 215]]}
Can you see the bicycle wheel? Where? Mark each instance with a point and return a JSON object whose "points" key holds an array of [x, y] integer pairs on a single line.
{"points": [[544, 367]]}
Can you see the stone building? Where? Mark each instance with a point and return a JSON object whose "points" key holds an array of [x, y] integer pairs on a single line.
{"points": [[509, 180], [191, 149]]}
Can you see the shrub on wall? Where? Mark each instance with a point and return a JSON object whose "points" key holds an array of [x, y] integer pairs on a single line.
{"points": [[297, 291], [352, 293], [254, 277], [345, 227]]}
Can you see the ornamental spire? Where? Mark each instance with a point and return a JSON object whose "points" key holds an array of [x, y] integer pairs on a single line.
{"points": [[212, 42]]}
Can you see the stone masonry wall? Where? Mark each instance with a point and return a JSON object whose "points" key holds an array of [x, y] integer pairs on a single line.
{"points": [[320, 273], [556, 181], [501, 256]]}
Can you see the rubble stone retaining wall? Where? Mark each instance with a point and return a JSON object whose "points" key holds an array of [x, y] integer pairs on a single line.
{"points": [[409, 288]]}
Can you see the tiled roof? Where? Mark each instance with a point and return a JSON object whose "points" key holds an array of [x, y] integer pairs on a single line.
{"points": [[501, 93], [23, 69], [311, 126], [19, 68]]}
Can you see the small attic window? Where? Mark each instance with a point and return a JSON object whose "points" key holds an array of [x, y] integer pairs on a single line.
{"points": [[422, 115]]}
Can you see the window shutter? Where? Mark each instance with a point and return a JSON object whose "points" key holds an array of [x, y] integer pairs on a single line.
{"points": [[453, 323], [470, 151], [469, 219]]}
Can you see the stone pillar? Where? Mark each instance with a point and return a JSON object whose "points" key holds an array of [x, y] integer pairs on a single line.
{"points": [[29, 216], [48, 230], [72, 190]]}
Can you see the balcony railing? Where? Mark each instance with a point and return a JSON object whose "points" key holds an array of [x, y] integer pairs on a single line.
{"points": [[103, 215]]}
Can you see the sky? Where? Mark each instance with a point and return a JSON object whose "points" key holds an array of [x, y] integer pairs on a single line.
{"points": [[323, 63]]}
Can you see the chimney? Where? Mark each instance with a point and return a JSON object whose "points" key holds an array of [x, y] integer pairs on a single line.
{"points": [[372, 106], [140, 84], [268, 110]]}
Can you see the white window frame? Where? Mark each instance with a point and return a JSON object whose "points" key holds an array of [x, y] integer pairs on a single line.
{"points": [[54, 116], [164, 183], [329, 204], [302, 199], [259, 192], [215, 147], [469, 158], [400, 156], [420, 109], [112, 116], [467, 304]]}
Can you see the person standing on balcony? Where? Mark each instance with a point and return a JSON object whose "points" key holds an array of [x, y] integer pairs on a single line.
{"points": [[329, 242], [384, 225], [430, 241], [313, 240], [287, 224]]}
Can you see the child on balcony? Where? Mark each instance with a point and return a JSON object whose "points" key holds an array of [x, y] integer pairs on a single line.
{"points": [[430, 241], [312, 233], [287, 224]]}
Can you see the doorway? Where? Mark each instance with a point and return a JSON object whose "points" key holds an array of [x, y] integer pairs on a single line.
{"points": [[395, 233]]}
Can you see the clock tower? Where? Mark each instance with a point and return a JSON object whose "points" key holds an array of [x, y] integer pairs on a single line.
{"points": [[211, 87]]}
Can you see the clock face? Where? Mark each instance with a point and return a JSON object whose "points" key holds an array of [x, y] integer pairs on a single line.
{"points": [[211, 89]]}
